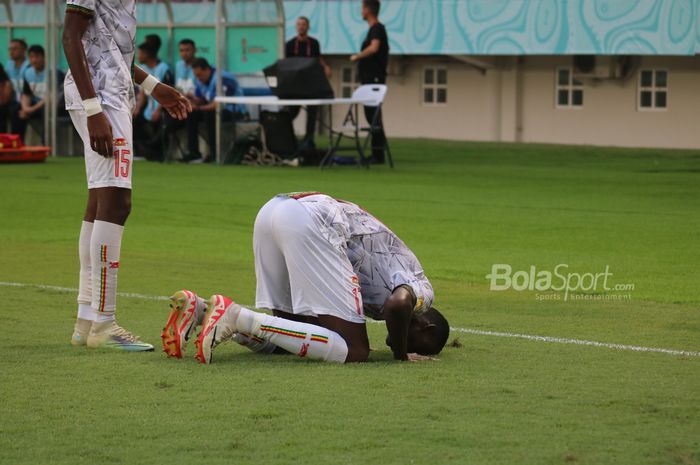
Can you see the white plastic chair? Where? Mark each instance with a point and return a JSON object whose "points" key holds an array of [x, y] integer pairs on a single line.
{"points": [[374, 95]]}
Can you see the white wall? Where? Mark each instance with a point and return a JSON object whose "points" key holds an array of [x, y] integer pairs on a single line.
{"points": [[515, 101]]}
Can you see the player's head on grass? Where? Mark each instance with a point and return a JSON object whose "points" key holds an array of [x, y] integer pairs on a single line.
{"points": [[427, 333]]}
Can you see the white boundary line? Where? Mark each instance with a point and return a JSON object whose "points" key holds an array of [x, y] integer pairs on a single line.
{"points": [[479, 332]]}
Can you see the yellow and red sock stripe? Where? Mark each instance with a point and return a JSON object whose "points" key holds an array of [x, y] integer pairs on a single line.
{"points": [[282, 331], [103, 277], [319, 338]]}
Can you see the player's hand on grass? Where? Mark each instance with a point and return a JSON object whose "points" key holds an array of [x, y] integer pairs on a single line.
{"points": [[100, 134], [421, 358], [176, 104]]}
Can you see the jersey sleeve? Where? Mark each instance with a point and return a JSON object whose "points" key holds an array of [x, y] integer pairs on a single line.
{"points": [[84, 7], [421, 287]]}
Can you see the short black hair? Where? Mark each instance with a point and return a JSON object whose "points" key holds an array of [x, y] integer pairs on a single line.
{"points": [[188, 42], [440, 334], [308, 23], [373, 5], [154, 39], [36, 48], [21, 42], [149, 48], [201, 63]]}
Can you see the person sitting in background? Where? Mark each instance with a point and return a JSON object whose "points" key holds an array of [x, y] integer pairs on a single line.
{"points": [[34, 92], [154, 39], [14, 68], [184, 77], [6, 98], [147, 56], [17, 65], [204, 107], [148, 114], [305, 46]]}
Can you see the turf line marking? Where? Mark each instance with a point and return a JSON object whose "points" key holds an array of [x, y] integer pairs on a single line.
{"points": [[479, 332], [581, 342], [128, 295]]}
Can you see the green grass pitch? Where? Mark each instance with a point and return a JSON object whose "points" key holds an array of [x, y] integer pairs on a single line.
{"points": [[461, 207]]}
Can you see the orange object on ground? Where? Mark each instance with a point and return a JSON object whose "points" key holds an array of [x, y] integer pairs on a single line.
{"points": [[24, 155]]}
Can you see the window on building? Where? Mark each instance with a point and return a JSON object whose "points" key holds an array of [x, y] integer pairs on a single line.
{"points": [[434, 86], [568, 90], [348, 81], [653, 89]]}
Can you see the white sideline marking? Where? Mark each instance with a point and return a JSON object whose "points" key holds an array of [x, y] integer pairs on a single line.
{"points": [[580, 342], [47, 287], [480, 332]]}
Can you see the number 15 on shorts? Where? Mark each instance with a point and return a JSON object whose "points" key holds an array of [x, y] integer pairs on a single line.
{"points": [[122, 159]]}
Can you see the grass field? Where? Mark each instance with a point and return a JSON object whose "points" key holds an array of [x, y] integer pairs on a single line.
{"points": [[462, 207]]}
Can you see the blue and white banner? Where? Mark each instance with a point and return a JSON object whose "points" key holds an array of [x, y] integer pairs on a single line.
{"points": [[509, 27]]}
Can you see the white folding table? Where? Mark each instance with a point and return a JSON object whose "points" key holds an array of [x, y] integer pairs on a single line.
{"points": [[275, 101]]}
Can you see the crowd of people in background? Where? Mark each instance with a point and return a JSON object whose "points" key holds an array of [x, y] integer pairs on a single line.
{"points": [[23, 93], [23, 90], [196, 79]]}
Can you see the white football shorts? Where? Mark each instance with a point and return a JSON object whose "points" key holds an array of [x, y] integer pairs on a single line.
{"points": [[298, 270], [114, 171]]}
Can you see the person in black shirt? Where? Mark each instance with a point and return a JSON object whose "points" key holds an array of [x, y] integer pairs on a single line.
{"points": [[305, 46], [372, 62]]}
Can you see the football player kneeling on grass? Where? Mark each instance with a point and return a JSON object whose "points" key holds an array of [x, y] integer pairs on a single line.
{"points": [[321, 265]]}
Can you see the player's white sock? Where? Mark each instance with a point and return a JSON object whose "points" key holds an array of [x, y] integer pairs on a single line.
{"points": [[254, 343], [85, 311], [303, 339], [105, 246]]}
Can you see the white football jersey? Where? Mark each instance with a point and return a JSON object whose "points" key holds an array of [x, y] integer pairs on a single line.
{"points": [[109, 44], [380, 259]]}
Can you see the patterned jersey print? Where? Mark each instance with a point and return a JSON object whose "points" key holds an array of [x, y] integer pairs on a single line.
{"points": [[380, 259], [109, 44]]}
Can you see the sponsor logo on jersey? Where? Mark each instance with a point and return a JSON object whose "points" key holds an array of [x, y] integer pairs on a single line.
{"points": [[304, 350], [114, 265], [119, 142]]}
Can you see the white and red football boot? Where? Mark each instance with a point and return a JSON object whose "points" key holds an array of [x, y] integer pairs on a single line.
{"points": [[218, 326], [187, 312]]}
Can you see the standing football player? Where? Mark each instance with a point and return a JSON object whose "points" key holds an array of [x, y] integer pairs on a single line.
{"points": [[99, 41]]}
